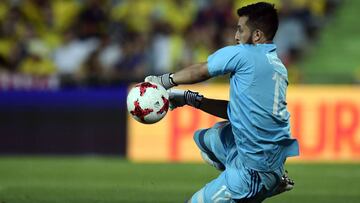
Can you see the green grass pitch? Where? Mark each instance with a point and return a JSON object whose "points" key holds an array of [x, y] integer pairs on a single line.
{"points": [[102, 180]]}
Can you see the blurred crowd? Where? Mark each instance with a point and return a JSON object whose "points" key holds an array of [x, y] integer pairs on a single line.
{"points": [[105, 42]]}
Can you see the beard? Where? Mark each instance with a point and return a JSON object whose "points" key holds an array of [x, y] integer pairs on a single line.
{"points": [[249, 40]]}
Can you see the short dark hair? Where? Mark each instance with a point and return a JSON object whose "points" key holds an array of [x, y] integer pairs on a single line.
{"points": [[262, 16]]}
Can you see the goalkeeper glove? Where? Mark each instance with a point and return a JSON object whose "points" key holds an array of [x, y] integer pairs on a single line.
{"points": [[165, 80], [179, 98]]}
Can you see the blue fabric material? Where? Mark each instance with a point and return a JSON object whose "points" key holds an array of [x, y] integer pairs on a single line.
{"points": [[238, 180], [257, 108]]}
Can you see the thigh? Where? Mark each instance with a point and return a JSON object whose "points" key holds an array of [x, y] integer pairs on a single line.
{"points": [[269, 181], [232, 185], [218, 141]]}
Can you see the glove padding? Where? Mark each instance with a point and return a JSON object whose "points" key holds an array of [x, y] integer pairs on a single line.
{"points": [[179, 98], [164, 80], [176, 98]]}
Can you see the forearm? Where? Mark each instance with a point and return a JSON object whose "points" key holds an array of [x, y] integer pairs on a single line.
{"points": [[215, 107], [192, 74], [189, 75]]}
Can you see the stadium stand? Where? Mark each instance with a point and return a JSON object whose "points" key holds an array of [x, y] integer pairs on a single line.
{"points": [[334, 58], [99, 42]]}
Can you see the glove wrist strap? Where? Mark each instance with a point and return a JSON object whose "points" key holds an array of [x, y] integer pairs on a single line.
{"points": [[193, 98], [167, 81], [172, 79]]}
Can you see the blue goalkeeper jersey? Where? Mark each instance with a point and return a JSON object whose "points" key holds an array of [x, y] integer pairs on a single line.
{"points": [[257, 108]]}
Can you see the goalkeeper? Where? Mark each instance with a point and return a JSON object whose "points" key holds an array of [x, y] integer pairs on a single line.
{"points": [[251, 147]]}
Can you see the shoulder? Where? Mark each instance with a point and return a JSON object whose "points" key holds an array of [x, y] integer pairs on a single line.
{"points": [[227, 59], [229, 52], [234, 48]]}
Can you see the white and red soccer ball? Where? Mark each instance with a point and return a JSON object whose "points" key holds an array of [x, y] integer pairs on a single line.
{"points": [[148, 102]]}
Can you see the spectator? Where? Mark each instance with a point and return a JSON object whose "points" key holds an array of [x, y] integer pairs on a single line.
{"points": [[92, 19], [90, 42], [133, 58], [70, 56]]}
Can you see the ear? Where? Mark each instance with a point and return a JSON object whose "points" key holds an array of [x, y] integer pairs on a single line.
{"points": [[257, 36]]}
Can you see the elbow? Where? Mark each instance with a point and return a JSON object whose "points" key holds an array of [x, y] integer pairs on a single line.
{"points": [[204, 72]]}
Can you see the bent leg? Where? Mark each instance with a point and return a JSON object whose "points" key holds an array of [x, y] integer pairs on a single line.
{"points": [[216, 143], [231, 186], [215, 191]]}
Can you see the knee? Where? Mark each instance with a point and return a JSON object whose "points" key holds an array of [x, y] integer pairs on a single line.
{"points": [[199, 138], [196, 135]]}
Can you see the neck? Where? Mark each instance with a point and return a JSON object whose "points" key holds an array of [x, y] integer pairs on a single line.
{"points": [[264, 41]]}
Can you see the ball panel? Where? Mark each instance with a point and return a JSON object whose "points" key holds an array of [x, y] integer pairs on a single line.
{"points": [[140, 113], [144, 86]]}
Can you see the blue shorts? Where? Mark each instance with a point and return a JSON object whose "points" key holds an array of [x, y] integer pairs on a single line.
{"points": [[237, 182]]}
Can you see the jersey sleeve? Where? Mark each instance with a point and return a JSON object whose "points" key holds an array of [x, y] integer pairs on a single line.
{"points": [[224, 61]]}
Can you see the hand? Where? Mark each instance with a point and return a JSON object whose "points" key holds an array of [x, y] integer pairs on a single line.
{"points": [[179, 98], [165, 80], [153, 79]]}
